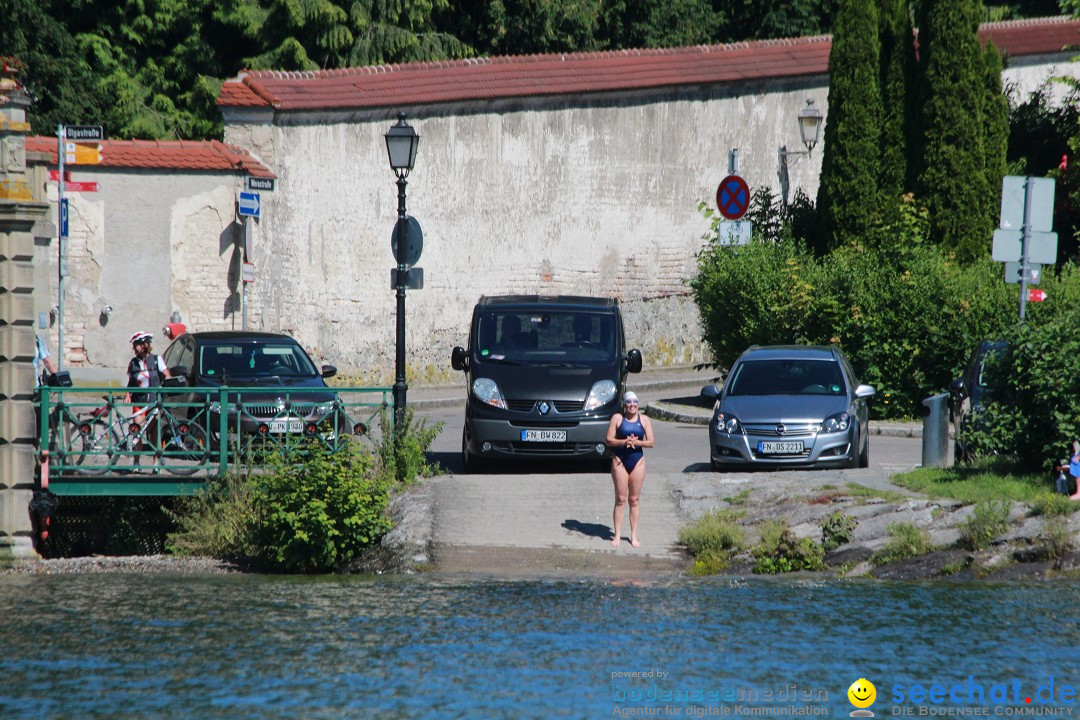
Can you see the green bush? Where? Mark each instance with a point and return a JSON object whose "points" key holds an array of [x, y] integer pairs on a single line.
{"points": [[312, 512], [714, 531], [837, 530], [318, 515], [906, 540], [988, 520], [407, 460], [780, 551], [1054, 540], [1035, 414], [905, 312]]}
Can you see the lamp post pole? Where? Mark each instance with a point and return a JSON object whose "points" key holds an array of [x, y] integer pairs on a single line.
{"points": [[401, 143], [400, 387]]}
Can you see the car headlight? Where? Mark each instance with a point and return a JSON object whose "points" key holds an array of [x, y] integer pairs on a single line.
{"points": [[324, 409], [215, 407], [836, 423], [728, 423], [600, 394], [487, 392]]}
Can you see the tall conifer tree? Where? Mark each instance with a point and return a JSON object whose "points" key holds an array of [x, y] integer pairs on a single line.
{"points": [[897, 71], [995, 128], [952, 182], [848, 196]]}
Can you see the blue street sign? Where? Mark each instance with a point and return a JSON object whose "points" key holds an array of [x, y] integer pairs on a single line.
{"points": [[249, 204], [64, 218]]}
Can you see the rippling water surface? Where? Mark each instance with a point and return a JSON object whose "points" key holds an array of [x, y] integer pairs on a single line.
{"points": [[146, 646]]}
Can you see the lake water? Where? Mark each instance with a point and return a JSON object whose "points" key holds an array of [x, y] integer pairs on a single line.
{"points": [[242, 646]]}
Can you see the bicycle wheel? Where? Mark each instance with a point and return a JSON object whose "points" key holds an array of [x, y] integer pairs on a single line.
{"points": [[90, 447], [186, 448]]}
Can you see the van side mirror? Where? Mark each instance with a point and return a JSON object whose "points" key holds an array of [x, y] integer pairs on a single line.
{"points": [[175, 381], [710, 392], [329, 371], [180, 371], [459, 359], [633, 361], [957, 386]]}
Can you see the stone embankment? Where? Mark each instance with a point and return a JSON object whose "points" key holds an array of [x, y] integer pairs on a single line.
{"points": [[1032, 546]]}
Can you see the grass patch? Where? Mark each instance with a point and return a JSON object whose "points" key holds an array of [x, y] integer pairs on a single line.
{"points": [[1054, 540], [713, 539], [861, 491], [906, 540], [1051, 504], [739, 498], [972, 484], [780, 551], [837, 530], [988, 520], [956, 567]]}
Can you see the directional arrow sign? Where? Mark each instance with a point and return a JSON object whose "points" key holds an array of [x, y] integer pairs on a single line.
{"points": [[54, 175], [82, 186], [249, 204], [1036, 295], [77, 153]]}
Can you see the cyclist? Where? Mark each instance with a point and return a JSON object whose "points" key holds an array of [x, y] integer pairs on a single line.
{"points": [[144, 371]]}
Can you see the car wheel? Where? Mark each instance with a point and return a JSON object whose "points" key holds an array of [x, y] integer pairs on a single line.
{"points": [[864, 456]]}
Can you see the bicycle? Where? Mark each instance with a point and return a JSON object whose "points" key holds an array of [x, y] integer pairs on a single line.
{"points": [[173, 440]]}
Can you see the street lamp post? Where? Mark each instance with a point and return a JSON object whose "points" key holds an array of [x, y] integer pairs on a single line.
{"points": [[401, 144], [809, 131]]}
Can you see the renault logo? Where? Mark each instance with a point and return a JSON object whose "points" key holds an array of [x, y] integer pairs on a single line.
{"points": [[781, 429], [544, 408]]}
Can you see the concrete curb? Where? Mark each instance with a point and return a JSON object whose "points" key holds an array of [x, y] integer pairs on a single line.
{"points": [[660, 411]]}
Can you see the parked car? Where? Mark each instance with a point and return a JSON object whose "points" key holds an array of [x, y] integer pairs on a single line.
{"points": [[972, 392], [544, 376], [279, 391], [790, 405]]}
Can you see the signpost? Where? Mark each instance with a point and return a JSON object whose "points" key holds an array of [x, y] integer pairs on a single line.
{"points": [[1025, 241], [75, 145], [249, 204], [733, 197], [254, 184]]}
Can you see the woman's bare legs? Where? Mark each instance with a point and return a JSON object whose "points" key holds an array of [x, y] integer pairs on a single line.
{"points": [[635, 481], [621, 481]]}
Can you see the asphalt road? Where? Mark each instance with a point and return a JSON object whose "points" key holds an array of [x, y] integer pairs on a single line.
{"points": [[546, 516]]}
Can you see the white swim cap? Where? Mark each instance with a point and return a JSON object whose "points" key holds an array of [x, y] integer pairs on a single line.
{"points": [[628, 396]]}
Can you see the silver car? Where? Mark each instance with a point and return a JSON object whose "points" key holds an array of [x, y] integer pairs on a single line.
{"points": [[790, 405]]}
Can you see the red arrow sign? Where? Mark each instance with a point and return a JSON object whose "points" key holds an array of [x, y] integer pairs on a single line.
{"points": [[82, 186], [1036, 295], [54, 175]]}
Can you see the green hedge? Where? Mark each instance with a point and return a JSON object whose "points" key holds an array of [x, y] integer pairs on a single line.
{"points": [[906, 313]]}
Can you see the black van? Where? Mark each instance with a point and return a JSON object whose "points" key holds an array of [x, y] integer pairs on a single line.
{"points": [[544, 376]]}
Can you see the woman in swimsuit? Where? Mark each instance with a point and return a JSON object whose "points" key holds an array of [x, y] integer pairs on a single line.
{"points": [[628, 433]]}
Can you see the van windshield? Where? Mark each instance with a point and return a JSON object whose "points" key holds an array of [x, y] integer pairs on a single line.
{"points": [[545, 337]]}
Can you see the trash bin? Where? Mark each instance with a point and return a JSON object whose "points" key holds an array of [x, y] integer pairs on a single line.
{"points": [[935, 431]]}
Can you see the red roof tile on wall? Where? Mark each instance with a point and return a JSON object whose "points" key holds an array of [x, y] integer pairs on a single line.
{"points": [[538, 75], [209, 155]]}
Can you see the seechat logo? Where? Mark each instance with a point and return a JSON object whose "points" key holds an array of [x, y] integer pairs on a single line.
{"points": [[862, 694]]}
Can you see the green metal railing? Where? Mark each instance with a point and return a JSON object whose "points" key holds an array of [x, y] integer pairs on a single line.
{"points": [[93, 442]]}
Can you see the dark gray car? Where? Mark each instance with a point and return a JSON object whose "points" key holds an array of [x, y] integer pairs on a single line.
{"points": [[790, 405]]}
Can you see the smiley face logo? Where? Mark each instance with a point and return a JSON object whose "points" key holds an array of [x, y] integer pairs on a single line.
{"points": [[862, 693]]}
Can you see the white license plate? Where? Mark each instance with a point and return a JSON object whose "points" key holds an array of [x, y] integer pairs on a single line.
{"points": [[286, 426], [786, 447], [543, 435]]}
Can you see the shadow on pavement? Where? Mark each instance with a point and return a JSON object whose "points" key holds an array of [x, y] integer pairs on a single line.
{"points": [[595, 530]]}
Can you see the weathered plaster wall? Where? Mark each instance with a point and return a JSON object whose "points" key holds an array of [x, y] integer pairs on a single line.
{"points": [[593, 197], [147, 244]]}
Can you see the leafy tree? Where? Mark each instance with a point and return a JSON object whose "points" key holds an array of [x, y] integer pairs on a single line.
{"points": [[662, 23], [849, 199], [58, 80], [953, 177]]}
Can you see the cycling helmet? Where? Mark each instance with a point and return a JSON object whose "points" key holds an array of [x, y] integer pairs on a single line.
{"points": [[141, 336]]}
